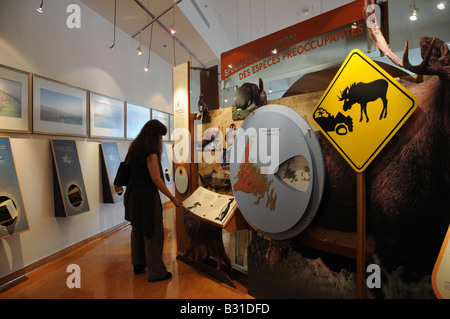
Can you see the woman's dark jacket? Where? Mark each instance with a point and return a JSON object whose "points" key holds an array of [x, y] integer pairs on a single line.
{"points": [[141, 198]]}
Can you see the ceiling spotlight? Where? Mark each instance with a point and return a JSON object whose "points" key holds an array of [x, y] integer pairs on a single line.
{"points": [[146, 68], [413, 16], [441, 5], [172, 27], [354, 26], [40, 7], [139, 51], [274, 51]]}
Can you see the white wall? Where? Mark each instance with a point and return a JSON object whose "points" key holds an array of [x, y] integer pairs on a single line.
{"points": [[43, 44]]}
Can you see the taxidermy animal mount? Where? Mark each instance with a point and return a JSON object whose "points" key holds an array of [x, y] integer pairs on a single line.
{"points": [[249, 94]]}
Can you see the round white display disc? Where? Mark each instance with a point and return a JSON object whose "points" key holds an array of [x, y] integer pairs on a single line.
{"points": [[181, 179], [277, 171]]}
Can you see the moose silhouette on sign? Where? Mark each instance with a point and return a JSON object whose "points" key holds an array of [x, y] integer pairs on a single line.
{"points": [[363, 93]]}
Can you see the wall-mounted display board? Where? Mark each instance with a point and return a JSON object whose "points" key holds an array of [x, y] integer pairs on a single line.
{"points": [[59, 108], [107, 117], [137, 116], [164, 119], [166, 167], [70, 196], [110, 164], [13, 218], [278, 196], [15, 106]]}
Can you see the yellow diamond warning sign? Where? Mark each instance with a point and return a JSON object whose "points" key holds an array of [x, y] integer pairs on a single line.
{"points": [[362, 109]]}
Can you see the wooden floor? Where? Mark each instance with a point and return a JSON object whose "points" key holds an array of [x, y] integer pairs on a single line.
{"points": [[106, 273]]}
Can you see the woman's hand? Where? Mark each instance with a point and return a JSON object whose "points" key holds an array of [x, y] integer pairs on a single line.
{"points": [[177, 202]]}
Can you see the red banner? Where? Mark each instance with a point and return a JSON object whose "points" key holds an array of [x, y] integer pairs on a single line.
{"points": [[235, 60]]}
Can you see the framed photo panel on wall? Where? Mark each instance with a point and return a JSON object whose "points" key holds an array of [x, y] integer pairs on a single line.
{"points": [[137, 116], [59, 108], [163, 117], [15, 104], [107, 117]]}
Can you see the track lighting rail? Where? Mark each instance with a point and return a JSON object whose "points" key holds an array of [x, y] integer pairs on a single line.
{"points": [[164, 27]]}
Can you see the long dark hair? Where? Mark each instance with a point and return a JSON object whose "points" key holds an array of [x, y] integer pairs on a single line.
{"points": [[147, 142]]}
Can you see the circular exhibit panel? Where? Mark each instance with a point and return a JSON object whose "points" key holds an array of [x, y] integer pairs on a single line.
{"points": [[181, 179], [277, 171]]}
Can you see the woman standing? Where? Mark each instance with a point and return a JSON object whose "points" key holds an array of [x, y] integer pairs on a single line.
{"points": [[143, 208]]}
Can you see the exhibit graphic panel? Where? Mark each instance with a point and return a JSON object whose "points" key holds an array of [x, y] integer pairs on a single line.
{"points": [[110, 165], [278, 200], [13, 218], [15, 105], [70, 196]]}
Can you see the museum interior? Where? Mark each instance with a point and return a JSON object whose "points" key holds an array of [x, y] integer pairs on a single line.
{"points": [[307, 140]]}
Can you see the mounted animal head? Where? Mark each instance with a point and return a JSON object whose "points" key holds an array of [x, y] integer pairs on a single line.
{"points": [[435, 53]]}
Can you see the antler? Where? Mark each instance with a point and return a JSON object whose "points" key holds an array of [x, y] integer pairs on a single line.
{"points": [[380, 41]]}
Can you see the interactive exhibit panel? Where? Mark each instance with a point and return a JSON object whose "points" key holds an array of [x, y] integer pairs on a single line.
{"points": [[110, 165], [68, 186], [13, 218]]}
